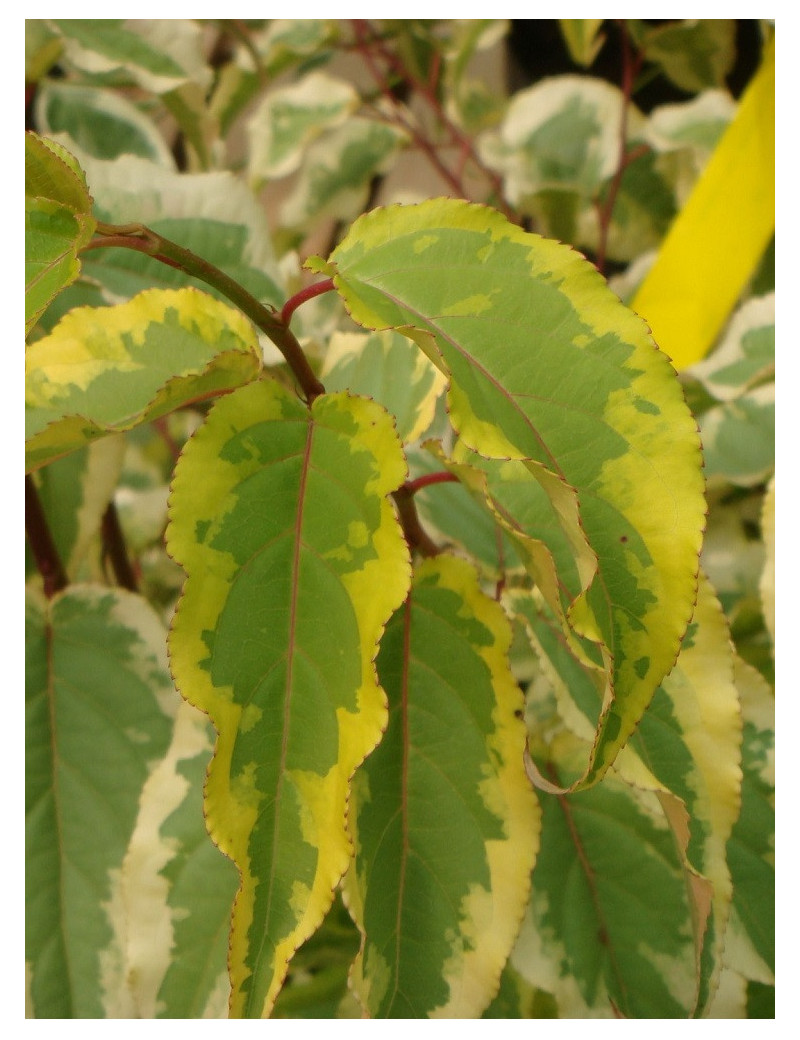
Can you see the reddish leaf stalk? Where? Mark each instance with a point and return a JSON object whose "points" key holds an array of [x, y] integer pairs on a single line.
{"points": [[415, 534], [45, 553], [145, 240], [301, 297], [440, 477]]}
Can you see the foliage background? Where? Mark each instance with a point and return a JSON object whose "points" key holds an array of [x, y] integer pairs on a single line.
{"points": [[286, 199]]}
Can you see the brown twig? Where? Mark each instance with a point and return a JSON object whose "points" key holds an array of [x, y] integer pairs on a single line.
{"points": [[45, 553], [116, 550], [145, 240]]}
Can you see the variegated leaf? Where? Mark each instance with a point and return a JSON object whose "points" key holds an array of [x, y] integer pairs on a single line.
{"points": [[695, 53], [103, 123], [582, 38], [294, 563], [390, 369], [159, 54], [337, 169], [75, 492], [551, 373], [177, 887], [106, 369], [562, 134], [58, 223], [98, 701], [607, 931], [445, 823], [289, 118], [766, 585], [750, 948], [686, 751], [213, 215]]}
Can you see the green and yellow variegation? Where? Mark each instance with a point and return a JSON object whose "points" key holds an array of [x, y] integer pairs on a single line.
{"points": [[295, 561], [548, 370]]}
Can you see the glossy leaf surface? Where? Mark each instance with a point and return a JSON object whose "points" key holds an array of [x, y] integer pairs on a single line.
{"points": [[445, 823], [295, 562], [549, 370]]}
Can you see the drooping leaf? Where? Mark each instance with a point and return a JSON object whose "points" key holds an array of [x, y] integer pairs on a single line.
{"points": [[178, 888], [607, 931], [461, 519], [550, 373], [294, 563], [445, 824], [105, 369], [707, 258], [686, 750], [690, 740], [316, 986], [98, 700], [390, 369]]}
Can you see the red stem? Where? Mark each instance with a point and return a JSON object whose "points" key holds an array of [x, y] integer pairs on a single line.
{"points": [[440, 477], [308, 293], [427, 91]]}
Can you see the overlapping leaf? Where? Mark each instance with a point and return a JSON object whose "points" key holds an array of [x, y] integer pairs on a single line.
{"points": [[445, 823], [686, 751], [213, 215], [106, 369], [607, 931], [549, 370], [98, 699], [75, 492], [389, 368], [294, 563]]}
